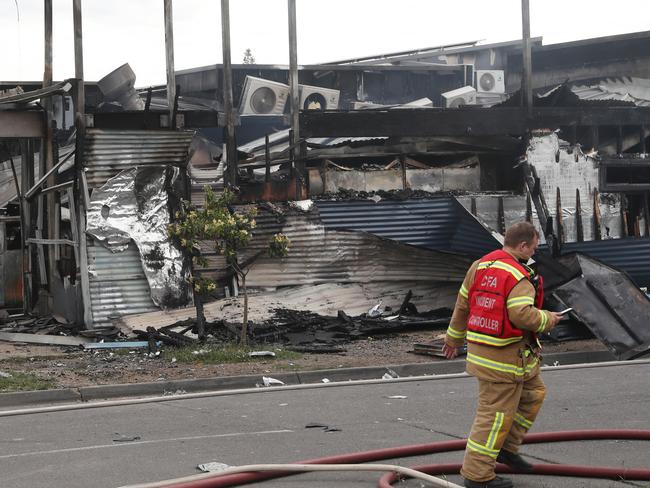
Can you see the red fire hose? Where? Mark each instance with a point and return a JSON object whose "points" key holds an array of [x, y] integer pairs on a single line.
{"points": [[617, 473]]}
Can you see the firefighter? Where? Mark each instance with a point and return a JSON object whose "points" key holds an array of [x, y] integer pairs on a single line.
{"points": [[499, 313]]}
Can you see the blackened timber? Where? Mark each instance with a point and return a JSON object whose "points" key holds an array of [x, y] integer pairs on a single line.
{"points": [[462, 121], [149, 120], [646, 214], [580, 233]]}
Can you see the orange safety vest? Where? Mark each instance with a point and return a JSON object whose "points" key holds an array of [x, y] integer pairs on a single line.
{"points": [[496, 275]]}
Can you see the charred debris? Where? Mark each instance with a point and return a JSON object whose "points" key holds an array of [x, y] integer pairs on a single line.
{"points": [[394, 173]]}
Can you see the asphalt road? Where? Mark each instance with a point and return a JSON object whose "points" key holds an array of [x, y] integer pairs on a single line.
{"points": [[115, 446]]}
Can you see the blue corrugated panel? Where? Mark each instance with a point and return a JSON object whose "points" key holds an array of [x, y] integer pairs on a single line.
{"points": [[440, 224], [425, 223], [631, 255], [471, 238]]}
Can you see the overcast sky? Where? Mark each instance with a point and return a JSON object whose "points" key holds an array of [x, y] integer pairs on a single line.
{"points": [[119, 31]]}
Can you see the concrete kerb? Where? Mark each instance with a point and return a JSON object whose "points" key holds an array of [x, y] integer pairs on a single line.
{"points": [[104, 392]]}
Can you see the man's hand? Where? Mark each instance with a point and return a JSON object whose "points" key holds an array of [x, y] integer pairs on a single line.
{"points": [[555, 318], [449, 351]]}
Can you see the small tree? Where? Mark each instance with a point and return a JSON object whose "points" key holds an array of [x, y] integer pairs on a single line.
{"points": [[231, 233], [248, 57]]}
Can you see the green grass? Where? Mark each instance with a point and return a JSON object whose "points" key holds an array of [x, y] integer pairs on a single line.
{"points": [[24, 382], [229, 353]]}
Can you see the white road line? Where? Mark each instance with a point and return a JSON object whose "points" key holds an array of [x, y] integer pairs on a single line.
{"points": [[139, 443]]}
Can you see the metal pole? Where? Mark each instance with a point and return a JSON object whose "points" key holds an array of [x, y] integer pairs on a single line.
{"points": [[80, 125], [47, 71], [169, 50], [526, 80], [293, 72], [231, 149], [293, 75], [47, 153]]}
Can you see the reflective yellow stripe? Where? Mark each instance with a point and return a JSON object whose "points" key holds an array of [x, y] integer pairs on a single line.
{"points": [[475, 446], [455, 334], [490, 340], [503, 266], [463, 291], [543, 321], [494, 432], [523, 421], [503, 367], [517, 301]]}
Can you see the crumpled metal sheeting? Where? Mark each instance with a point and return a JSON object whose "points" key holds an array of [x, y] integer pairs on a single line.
{"points": [[107, 152], [609, 304], [319, 255], [629, 89], [133, 206]]}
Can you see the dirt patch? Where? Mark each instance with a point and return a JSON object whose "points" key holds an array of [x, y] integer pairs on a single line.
{"points": [[70, 367]]}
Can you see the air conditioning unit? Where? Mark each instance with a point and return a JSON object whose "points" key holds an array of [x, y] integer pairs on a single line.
{"points": [[317, 98], [263, 97], [490, 81], [459, 97]]}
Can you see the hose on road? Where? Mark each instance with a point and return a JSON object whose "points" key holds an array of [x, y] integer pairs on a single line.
{"points": [[220, 480]]}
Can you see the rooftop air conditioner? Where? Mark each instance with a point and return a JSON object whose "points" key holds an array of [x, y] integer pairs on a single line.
{"points": [[459, 97], [490, 81], [318, 98], [263, 97]]}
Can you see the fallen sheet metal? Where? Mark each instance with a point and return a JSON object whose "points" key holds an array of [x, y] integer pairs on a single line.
{"points": [[608, 302], [134, 206], [323, 299]]}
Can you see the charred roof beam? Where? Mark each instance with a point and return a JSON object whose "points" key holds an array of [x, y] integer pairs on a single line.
{"points": [[463, 121]]}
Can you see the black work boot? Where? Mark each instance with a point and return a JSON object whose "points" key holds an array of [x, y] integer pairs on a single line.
{"points": [[497, 482], [514, 461]]}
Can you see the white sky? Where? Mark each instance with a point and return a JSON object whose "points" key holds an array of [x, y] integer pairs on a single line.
{"points": [[119, 31]]}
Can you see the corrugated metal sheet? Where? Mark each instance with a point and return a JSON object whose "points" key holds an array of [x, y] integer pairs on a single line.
{"points": [[440, 223], [320, 255], [118, 285], [30, 96], [426, 223], [627, 89], [631, 255], [108, 152]]}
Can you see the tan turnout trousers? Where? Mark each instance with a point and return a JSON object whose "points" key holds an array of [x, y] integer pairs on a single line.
{"points": [[505, 413]]}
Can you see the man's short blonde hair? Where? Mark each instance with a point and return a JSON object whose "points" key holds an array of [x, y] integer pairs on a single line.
{"points": [[521, 232]]}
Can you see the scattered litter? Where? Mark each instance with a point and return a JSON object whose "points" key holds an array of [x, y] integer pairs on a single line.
{"points": [[213, 467], [268, 381], [174, 360], [283, 404], [126, 438], [5, 375], [198, 352], [390, 375], [376, 311], [325, 380], [261, 354], [397, 397], [173, 393]]}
